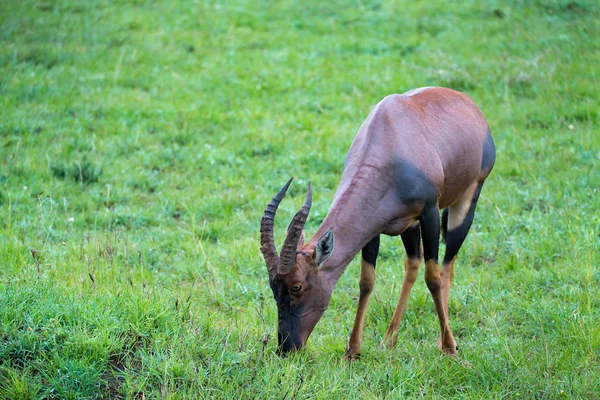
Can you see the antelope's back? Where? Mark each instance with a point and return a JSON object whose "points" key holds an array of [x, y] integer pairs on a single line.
{"points": [[437, 132]]}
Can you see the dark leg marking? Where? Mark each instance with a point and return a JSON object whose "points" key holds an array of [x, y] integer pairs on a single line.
{"points": [[430, 229], [371, 250], [411, 238]]}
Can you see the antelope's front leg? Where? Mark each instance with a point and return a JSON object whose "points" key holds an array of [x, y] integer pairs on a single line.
{"points": [[411, 238], [367, 281]]}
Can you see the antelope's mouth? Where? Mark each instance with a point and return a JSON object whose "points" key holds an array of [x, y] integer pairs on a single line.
{"points": [[287, 344], [297, 328], [289, 339]]}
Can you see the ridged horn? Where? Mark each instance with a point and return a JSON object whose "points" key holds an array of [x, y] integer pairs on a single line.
{"points": [[287, 261], [267, 240]]}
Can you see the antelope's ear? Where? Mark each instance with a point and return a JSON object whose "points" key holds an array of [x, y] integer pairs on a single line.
{"points": [[324, 248]]}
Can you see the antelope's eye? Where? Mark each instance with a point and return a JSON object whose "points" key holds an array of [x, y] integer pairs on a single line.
{"points": [[296, 287]]}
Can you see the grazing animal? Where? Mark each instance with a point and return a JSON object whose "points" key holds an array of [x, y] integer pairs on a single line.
{"points": [[416, 153]]}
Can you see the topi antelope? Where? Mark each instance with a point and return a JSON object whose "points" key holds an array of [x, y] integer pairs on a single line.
{"points": [[416, 153]]}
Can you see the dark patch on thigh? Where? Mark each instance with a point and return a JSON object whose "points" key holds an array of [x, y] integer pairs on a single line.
{"points": [[456, 237], [412, 185], [370, 251], [488, 157]]}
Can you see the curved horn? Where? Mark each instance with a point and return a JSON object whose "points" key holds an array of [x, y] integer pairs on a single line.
{"points": [[288, 251], [267, 241]]}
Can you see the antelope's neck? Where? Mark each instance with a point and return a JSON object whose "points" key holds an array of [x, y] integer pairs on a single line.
{"points": [[355, 220]]}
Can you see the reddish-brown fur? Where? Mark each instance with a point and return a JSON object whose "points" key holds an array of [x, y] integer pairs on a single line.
{"points": [[425, 136]]}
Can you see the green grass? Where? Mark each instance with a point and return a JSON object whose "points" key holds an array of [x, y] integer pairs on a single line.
{"points": [[140, 142]]}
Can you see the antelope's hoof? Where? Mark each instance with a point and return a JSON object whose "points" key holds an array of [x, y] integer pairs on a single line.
{"points": [[389, 342], [448, 349], [350, 356]]}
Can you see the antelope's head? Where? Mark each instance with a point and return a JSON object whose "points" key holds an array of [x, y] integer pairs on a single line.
{"points": [[301, 293]]}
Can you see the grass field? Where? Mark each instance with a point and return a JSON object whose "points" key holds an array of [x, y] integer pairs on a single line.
{"points": [[140, 142]]}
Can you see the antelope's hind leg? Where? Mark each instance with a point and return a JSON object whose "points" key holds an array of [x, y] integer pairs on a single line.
{"points": [[367, 281], [457, 221], [430, 226], [411, 240]]}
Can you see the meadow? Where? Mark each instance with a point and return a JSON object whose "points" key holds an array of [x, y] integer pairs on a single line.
{"points": [[140, 142]]}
